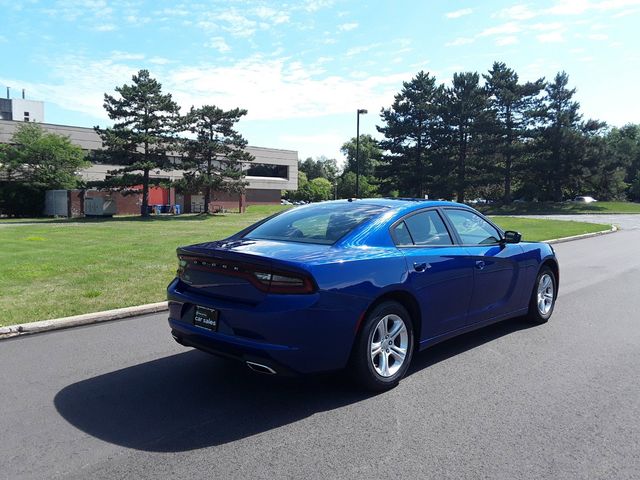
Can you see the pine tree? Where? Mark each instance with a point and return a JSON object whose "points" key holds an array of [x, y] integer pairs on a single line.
{"points": [[409, 134], [513, 104], [215, 157], [560, 147], [467, 123], [145, 121]]}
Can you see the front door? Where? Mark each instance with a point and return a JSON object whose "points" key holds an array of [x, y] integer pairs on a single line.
{"points": [[440, 272], [495, 265]]}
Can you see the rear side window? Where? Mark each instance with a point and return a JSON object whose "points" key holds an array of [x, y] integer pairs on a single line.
{"points": [[319, 223], [422, 229]]}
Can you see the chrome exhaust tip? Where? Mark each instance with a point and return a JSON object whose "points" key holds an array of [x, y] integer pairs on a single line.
{"points": [[258, 367]]}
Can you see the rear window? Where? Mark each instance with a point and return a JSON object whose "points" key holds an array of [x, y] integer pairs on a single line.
{"points": [[322, 224]]}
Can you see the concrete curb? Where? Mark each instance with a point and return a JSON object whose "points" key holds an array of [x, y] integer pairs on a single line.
{"points": [[613, 229], [79, 320], [119, 313]]}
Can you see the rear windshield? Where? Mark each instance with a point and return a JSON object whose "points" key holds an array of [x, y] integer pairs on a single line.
{"points": [[323, 224]]}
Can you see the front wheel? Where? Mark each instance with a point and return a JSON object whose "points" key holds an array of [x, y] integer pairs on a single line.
{"points": [[384, 347], [543, 297]]}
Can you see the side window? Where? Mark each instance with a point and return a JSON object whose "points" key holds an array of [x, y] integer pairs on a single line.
{"points": [[425, 228], [402, 235], [473, 229]]}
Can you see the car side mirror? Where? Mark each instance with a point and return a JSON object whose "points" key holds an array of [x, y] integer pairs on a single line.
{"points": [[511, 236]]}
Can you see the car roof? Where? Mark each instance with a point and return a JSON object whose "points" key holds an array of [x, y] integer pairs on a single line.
{"points": [[399, 204]]}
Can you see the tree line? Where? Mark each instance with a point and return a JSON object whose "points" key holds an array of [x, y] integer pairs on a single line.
{"points": [[490, 136], [487, 136], [148, 133]]}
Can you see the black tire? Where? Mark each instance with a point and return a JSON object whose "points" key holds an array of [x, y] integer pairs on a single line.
{"points": [[365, 367], [538, 314]]}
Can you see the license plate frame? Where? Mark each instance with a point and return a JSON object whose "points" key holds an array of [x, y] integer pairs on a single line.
{"points": [[206, 318]]}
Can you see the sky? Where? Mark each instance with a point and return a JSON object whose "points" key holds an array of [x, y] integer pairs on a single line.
{"points": [[303, 68]]}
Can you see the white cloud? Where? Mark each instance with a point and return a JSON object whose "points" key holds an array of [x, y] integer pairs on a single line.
{"points": [[237, 24], [577, 7], [504, 41], [270, 89], [219, 44], [275, 16], [346, 27], [459, 13], [518, 12], [551, 37], [598, 36], [625, 13], [315, 5], [79, 83], [159, 60], [459, 41], [107, 27], [570, 7], [315, 145], [361, 49], [545, 27], [504, 29], [117, 55], [278, 89]]}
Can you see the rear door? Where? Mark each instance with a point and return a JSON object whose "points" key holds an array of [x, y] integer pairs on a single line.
{"points": [[440, 273], [495, 265]]}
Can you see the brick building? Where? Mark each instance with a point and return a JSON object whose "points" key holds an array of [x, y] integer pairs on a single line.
{"points": [[272, 170]]}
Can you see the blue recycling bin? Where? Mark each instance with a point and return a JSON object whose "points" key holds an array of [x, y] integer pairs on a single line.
{"points": [[177, 209]]}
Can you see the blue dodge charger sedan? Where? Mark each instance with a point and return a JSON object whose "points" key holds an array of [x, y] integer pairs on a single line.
{"points": [[357, 284]]}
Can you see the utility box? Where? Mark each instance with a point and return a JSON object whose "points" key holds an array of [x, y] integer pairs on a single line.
{"points": [[99, 207], [56, 203]]}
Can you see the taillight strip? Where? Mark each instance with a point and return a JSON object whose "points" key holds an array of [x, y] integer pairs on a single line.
{"points": [[259, 277]]}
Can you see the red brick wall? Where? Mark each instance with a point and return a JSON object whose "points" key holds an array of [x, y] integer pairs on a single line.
{"points": [[128, 204]]}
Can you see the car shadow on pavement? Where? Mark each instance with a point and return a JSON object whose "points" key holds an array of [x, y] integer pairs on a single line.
{"points": [[193, 400]]}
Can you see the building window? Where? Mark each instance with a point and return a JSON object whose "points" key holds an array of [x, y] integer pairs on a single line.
{"points": [[26, 116], [268, 170]]}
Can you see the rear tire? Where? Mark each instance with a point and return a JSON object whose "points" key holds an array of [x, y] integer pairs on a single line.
{"points": [[543, 296], [384, 347]]}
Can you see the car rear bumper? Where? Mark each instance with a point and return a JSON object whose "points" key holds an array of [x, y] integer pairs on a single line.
{"points": [[290, 334]]}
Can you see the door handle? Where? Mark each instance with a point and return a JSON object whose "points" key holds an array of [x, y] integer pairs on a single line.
{"points": [[420, 267], [480, 264]]}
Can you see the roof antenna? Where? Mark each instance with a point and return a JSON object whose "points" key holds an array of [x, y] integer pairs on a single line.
{"points": [[8, 92], [23, 93]]}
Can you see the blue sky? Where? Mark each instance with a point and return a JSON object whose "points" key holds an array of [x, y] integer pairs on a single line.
{"points": [[303, 68]]}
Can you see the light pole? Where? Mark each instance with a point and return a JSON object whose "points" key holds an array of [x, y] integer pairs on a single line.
{"points": [[360, 111]]}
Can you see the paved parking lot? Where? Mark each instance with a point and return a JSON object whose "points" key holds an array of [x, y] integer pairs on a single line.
{"points": [[511, 401]]}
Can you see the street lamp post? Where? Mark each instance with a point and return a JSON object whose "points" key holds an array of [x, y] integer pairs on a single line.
{"points": [[360, 111]]}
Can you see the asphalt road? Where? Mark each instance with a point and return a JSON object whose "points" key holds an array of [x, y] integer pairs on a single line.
{"points": [[562, 400]]}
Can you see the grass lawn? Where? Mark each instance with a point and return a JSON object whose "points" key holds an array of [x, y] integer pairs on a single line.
{"points": [[534, 229], [543, 208], [56, 269]]}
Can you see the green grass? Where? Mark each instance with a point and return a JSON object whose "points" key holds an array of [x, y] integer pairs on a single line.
{"points": [[543, 208], [63, 268], [535, 229], [59, 269]]}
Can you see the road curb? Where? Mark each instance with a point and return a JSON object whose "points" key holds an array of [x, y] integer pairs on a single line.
{"points": [[79, 320], [120, 313], [613, 229]]}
